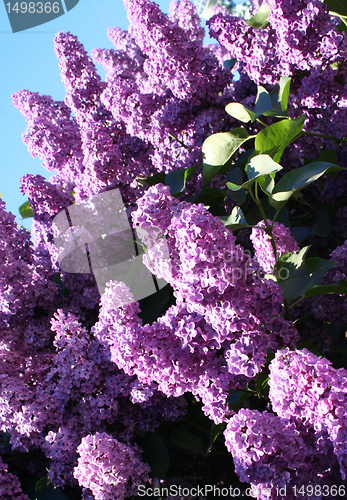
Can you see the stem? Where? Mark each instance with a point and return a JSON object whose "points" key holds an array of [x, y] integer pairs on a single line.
{"points": [[260, 122], [275, 217], [269, 229], [323, 136], [180, 142], [343, 18], [297, 302], [272, 241]]}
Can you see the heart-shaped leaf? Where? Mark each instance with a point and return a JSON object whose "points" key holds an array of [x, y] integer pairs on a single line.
{"points": [[299, 178], [260, 19], [339, 287], [236, 220], [259, 165], [240, 112], [151, 181], [187, 441], [218, 149], [156, 454], [263, 101], [177, 179], [26, 211], [296, 276], [274, 139]]}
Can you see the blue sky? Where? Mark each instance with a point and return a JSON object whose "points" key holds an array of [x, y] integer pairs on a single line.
{"points": [[28, 61]]}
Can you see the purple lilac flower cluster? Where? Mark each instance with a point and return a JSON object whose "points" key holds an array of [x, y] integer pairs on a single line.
{"points": [[57, 382], [301, 41], [217, 307], [264, 252], [109, 468], [275, 454], [301, 36], [308, 389], [77, 379], [9, 485]]}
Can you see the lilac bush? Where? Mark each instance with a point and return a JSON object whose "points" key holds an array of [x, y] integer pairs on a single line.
{"points": [[230, 161]]}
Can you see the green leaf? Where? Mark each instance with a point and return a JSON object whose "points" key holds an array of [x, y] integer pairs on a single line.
{"points": [[230, 63], [218, 149], [4, 439], [216, 429], [300, 233], [156, 454], [263, 101], [187, 441], [300, 275], [236, 220], [320, 225], [279, 98], [267, 183], [262, 380], [209, 197], [338, 287], [236, 398], [26, 211], [44, 490], [261, 165], [240, 112], [338, 6], [298, 179], [339, 336], [328, 155], [236, 176], [258, 166], [177, 179], [259, 20], [151, 181], [284, 88], [273, 139]]}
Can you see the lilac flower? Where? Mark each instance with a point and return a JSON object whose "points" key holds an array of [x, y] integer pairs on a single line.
{"points": [[272, 452], [263, 249], [10, 488], [109, 468], [307, 388], [52, 133], [175, 60], [301, 36], [184, 14]]}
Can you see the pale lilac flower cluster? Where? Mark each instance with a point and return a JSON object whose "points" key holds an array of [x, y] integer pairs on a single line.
{"points": [[218, 307], [9, 485], [264, 252], [83, 378], [184, 14], [70, 372], [109, 468], [273, 453], [52, 133], [192, 74], [301, 36], [308, 389], [267, 450], [46, 199]]}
